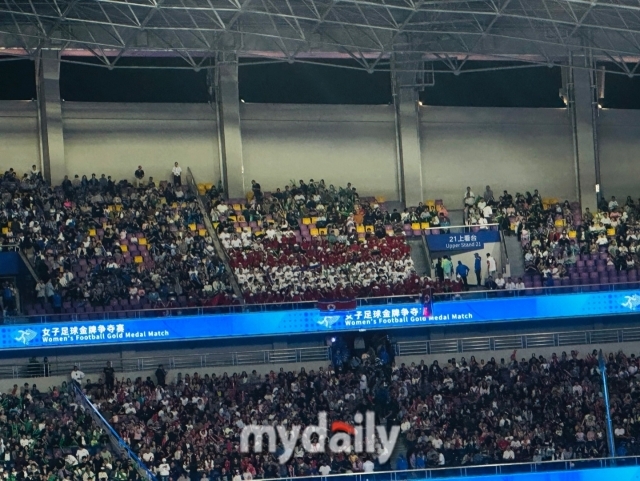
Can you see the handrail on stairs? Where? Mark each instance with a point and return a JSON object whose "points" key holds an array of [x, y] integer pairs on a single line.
{"points": [[216, 240]]}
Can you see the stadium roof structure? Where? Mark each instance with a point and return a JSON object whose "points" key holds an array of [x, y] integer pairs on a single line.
{"points": [[414, 35]]}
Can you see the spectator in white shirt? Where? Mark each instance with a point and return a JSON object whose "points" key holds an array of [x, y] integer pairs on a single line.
{"points": [[77, 375], [148, 456], [164, 470], [177, 174], [500, 282], [469, 198], [520, 285], [82, 453], [508, 454], [368, 466], [491, 265], [510, 285], [487, 211]]}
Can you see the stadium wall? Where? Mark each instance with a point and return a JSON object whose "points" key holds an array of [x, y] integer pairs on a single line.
{"points": [[507, 148], [618, 134], [337, 143], [19, 143], [114, 138], [518, 149]]}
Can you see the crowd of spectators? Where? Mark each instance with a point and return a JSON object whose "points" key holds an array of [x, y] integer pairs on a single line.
{"points": [[460, 413], [103, 245], [559, 238], [311, 241], [99, 245], [48, 436], [562, 245]]}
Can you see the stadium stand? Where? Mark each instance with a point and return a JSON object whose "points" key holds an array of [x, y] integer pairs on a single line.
{"points": [[310, 241], [561, 245], [99, 245], [49, 436], [103, 246], [458, 413]]}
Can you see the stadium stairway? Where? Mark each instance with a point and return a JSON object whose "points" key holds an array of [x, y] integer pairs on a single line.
{"points": [[456, 216], [514, 252], [419, 256], [200, 200], [399, 449]]}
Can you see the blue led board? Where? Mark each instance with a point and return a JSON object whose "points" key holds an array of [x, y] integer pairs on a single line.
{"points": [[598, 474], [83, 333], [462, 242]]}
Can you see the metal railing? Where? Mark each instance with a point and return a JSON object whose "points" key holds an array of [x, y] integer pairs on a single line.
{"points": [[63, 366], [534, 291], [517, 341], [131, 313], [117, 443], [484, 470], [124, 313], [503, 252], [462, 229], [231, 275]]}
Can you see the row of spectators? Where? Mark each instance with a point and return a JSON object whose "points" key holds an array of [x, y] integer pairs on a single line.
{"points": [[461, 413], [106, 245]]}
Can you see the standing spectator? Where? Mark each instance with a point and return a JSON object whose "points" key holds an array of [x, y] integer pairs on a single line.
{"points": [[40, 290], [139, 177], [477, 267], [491, 265], [469, 198], [161, 375], [109, 376], [613, 203], [9, 299], [488, 195], [34, 172], [46, 367], [49, 291], [56, 301], [439, 270], [77, 375], [164, 470], [447, 266], [177, 175], [463, 272]]}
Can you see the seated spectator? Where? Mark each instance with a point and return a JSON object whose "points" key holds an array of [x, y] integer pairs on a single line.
{"points": [[490, 284]]}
